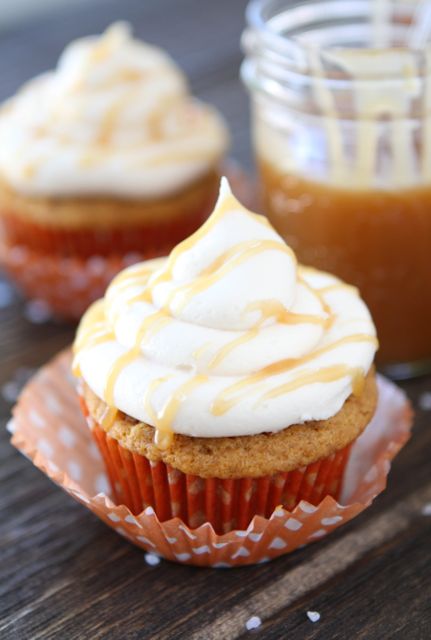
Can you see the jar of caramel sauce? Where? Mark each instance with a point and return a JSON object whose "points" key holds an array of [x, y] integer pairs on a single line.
{"points": [[341, 112]]}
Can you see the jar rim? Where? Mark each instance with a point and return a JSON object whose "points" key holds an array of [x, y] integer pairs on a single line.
{"points": [[261, 24]]}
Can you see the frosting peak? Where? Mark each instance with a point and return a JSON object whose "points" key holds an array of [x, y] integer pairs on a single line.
{"points": [[218, 276], [114, 118], [230, 331]]}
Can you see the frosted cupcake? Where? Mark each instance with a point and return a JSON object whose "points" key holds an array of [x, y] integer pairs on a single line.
{"points": [[107, 155], [226, 379]]}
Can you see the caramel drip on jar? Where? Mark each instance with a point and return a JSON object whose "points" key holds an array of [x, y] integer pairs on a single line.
{"points": [[230, 396], [164, 420]]}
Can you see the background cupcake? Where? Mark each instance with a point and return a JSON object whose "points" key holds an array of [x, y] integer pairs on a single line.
{"points": [[108, 155], [226, 379]]}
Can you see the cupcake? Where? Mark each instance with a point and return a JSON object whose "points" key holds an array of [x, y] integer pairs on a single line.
{"points": [[108, 155], [226, 379]]}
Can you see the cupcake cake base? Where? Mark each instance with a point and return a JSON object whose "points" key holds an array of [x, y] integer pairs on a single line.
{"points": [[80, 472], [200, 479]]}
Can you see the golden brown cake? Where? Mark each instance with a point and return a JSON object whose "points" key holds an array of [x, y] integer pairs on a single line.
{"points": [[108, 155], [226, 379]]}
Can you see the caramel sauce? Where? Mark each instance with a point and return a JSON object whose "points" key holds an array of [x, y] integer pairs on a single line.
{"points": [[150, 326], [114, 372], [200, 350], [108, 417], [275, 309], [94, 331], [325, 375], [166, 417], [378, 240], [230, 396], [231, 346], [29, 171], [110, 119], [214, 273], [152, 387]]}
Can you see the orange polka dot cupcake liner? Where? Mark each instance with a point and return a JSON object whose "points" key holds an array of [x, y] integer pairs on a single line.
{"points": [[69, 269], [190, 520], [226, 504], [68, 283]]}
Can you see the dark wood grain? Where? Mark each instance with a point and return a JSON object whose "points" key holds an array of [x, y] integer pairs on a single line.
{"points": [[63, 574]]}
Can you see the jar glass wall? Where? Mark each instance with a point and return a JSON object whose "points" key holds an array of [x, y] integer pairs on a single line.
{"points": [[341, 105]]}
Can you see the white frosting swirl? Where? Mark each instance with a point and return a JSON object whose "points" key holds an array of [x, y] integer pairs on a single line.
{"points": [[228, 336], [114, 118]]}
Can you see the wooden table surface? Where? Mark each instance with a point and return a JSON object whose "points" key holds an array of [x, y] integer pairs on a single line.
{"points": [[63, 573]]}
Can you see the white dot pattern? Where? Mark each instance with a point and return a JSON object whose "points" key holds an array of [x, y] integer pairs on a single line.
{"points": [[54, 435]]}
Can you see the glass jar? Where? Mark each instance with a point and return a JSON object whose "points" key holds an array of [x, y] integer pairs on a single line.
{"points": [[341, 111]]}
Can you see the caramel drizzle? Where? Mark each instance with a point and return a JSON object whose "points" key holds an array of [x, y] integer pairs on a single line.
{"points": [[149, 327], [233, 394], [269, 309], [164, 419], [29, 171], [235, 256], [230, 396], [110, 119], [275, 309], [336, 287], [108, 417], [327, 374], [114, 372], [148, 395], [230, 346]]}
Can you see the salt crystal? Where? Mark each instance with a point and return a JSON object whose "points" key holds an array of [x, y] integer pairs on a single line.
{"points": [[253, 623], [425, 401], [152, 559], [313, 616]]}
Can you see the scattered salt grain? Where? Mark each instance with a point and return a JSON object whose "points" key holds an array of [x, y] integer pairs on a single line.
{"points": [[313, 616], [425, 401], [253, 623], [37, 311], [426, 509], [152, 559]]}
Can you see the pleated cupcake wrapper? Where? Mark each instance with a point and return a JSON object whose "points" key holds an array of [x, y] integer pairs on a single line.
{"points": [[151, 238], [66, 285], [49, 428], [226, 504], [68, 270]]}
